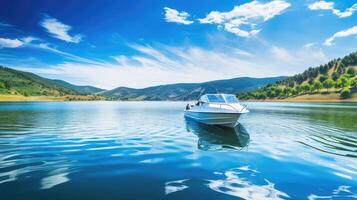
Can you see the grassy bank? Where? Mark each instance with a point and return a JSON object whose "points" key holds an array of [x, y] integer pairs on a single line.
{"points": [[331, 97], [12, 97]]}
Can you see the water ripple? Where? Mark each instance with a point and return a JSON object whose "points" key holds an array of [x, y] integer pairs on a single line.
{"points": [[127, 149]]}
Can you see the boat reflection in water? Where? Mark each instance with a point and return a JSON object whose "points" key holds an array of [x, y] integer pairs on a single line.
{"points": [[217, 138]]}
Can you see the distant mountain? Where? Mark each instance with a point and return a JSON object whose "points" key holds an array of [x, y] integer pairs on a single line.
{"points": [[334, 80], [28, 84], [17, 82], [190, 91], [85, 89]]}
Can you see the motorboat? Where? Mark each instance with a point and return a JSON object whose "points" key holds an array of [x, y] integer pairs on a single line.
{"points": [[216, 109]]}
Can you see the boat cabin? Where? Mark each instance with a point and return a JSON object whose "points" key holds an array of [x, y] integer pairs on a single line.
{"points": [[219, 98]]}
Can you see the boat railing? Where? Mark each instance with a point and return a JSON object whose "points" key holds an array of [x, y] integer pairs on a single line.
{"points": [[226, 104]]}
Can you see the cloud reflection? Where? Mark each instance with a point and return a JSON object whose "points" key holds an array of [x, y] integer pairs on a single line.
{"points": [[235, 184], [342, 192], [175, 186], [59, 176]]}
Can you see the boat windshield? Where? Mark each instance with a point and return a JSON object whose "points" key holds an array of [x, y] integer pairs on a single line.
{"points": [[231, 98], [215, 98]]}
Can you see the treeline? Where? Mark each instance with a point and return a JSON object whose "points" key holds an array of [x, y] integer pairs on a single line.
{"points": [[93, 97], [338, 75]]}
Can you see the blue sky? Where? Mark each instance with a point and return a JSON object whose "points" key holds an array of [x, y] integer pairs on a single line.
{"points": [[144, 43]]}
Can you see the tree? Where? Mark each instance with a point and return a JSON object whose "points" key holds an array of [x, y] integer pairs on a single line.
{"points": [[305, 87], [288, 91], [260, 95], [351, 71], [341, 68], [323, 78], [328, 83], [317, 86], [354, 82], [345, 93], [294, 91], [272, 91], [285, 92], [323, 69], [291, 84], [298, 89], [343, 81], [7, 84], [335, 76], [277, 91]]}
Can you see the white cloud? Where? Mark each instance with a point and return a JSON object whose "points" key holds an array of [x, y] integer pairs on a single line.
{"points": [[309, 45], [246, 14], [72, 57], [344, 33], [15, 43], [323, 5], [154, 66], [170, 64], [282, 54], [10, 43], [29, 42], [241, 52], [305, 57], [172, 15], [59, 30], [29, 39]]}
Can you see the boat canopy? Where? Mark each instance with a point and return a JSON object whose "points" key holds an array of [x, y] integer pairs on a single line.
{"points": [[219, 98]]}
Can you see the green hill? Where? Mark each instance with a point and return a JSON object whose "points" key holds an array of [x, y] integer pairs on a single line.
{"points": [[83, 89], [338, 77], [190, 91], [28, 84], [15, 82]]}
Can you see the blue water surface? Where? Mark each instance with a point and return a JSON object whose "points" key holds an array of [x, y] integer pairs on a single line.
{"points": [[148, 150]]}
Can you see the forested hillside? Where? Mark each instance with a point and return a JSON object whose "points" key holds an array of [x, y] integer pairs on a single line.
{"points": [[17, 85], [337, 76], [28, 84]]}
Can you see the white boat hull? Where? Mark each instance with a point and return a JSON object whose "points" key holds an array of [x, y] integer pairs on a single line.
{"points": [[214, 118]]}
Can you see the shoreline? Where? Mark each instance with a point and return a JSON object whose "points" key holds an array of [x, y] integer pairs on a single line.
{"points": [[303, 101], [331, 98], [21, 98]]}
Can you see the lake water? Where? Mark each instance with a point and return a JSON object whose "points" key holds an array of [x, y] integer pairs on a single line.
{"points": [[147, 150]]}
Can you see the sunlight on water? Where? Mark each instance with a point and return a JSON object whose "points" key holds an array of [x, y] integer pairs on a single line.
{"points": [[140, 150]]}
